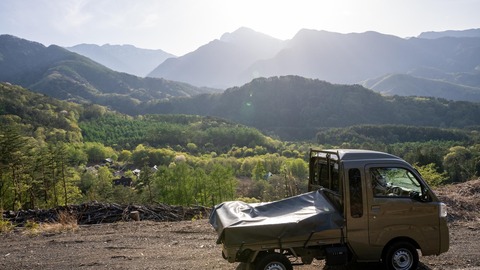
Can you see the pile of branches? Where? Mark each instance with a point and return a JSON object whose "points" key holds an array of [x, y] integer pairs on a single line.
{"points": [[462, 199], [96, 213]]}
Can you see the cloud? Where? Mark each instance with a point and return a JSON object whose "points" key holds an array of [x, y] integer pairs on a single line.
{"points": [[72, 14]]}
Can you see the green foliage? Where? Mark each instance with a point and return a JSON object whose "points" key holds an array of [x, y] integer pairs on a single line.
{"points": [[200, 160], [39, 116], [192, 133], [182, 184], [97, 152], [100, 186], [389, 134], [32, 225], [259, 171], [145, 182], [5, 226], [248, 200], [295, 108], [461, 163], [142, 156], [430, 174]]}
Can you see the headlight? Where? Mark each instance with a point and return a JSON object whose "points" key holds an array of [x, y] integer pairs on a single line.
{"points": [[443, 210]]}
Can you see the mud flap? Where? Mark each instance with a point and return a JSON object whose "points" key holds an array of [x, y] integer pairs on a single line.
{"points": [[337, 255]]}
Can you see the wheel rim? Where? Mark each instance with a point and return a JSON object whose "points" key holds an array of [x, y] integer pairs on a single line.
{"points": [[275, 266], [402, 259]]}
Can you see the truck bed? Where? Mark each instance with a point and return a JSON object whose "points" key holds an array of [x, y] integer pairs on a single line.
{"points": [[306, 219]]}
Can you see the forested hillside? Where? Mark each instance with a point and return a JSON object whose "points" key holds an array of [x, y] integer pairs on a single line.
{"points": [[39, 116], [290, 107], [452, 87], [198, 134], [56, 153], [389, 134], [295, 108], [65, 75]]}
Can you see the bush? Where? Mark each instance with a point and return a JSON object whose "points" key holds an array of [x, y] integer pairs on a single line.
{"points": [[5, 226]]}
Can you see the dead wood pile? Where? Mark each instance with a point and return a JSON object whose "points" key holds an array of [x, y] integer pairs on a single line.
{"points": [[462, 199], [95, 213]]}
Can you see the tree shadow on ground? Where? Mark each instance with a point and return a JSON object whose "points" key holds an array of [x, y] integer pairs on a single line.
{"points": [[369, 266], [351, 266]]}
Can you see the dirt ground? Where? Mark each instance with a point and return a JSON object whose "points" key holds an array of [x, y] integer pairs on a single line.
{"points": [[191, 244], [175, 245]]}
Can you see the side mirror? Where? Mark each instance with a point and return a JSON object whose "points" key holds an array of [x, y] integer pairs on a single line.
{"points": [[415, 195], [421, 197]]}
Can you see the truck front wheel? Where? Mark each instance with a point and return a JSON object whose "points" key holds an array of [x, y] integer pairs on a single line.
{"points": [[401, 256], [273, 261]]}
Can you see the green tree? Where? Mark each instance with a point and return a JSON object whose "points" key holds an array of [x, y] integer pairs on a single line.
{"points": [[97, 152], [223, 184], [259, 172], [430, 173], [104, 186], [145, 182], [459, 164], [98, 185], [12, 158]]}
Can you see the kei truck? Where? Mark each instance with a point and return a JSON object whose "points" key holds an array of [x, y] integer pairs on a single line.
{"points": [[362, 206]]}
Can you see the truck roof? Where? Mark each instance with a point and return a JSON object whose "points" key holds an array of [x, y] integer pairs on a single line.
{"points": [[353, 154]]}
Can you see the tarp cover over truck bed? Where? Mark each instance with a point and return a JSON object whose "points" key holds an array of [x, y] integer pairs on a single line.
{"points": [[292, 218]]}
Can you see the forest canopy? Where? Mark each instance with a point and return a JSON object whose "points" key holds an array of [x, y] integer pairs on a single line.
{"points": [[57, 153]]}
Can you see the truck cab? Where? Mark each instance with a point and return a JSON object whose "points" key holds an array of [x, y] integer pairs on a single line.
{"points": [[389, 210]]}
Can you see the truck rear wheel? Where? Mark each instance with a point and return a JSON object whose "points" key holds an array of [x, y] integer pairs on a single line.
{"points": [[401, 256], [273, 261]]}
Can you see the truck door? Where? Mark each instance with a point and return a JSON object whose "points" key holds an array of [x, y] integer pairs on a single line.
{"points": [[400, 205], [355, 214]]}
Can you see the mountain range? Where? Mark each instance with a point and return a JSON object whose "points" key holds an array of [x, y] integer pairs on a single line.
{"points": [[123, 58], [294, 107], [446, 63], [338, 58], [289, 106], [222, 62], [65, 75]]}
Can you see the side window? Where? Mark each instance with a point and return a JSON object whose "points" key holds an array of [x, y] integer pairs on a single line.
{"points": [[355, 187], [394, 182]]}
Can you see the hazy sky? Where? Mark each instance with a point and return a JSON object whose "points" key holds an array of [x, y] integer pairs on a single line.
{"points": [[181, 26]]}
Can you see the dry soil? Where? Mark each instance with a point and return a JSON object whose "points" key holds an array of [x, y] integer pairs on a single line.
{"points": [[175, 245]]}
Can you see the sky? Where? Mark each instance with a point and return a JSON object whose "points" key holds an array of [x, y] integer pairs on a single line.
{"points": [[181, 26]]}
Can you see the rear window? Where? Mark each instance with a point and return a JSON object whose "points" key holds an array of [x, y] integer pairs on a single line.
{"points": [[326, 175]]}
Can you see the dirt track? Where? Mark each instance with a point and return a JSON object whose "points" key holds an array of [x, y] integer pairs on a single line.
{"points": [[174, 245]]}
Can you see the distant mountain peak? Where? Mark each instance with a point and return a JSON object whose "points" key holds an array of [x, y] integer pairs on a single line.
{"points": [[243, 34], [10, 39], [451, 33], [124, 58]]}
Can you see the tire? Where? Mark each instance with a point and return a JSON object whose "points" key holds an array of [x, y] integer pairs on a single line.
{"points": [[401, 256], [273, 261]]}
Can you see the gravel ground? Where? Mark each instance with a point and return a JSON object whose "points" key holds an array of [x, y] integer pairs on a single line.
{"points": [[175, 245]]}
